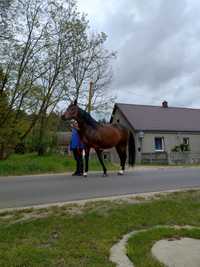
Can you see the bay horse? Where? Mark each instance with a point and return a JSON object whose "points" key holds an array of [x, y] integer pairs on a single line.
{"points": [[98, 136]]}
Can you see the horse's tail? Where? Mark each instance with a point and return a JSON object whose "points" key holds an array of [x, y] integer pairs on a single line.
{"points": [[131, 149]]}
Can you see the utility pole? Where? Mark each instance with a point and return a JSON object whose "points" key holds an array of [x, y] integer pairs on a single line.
{"points": [[90, 97]]}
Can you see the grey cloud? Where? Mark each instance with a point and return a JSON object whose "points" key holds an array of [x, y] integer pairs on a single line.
{"points": [[155, 46], [158, 45], [153, 53]]}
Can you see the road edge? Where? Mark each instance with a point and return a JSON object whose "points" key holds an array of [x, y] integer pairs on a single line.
{"points": [[108, 198]]}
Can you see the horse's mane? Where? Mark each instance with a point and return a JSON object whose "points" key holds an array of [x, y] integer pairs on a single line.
{"points": [[88, 118]]}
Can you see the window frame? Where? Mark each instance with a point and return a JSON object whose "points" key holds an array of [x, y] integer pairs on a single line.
{"points": [[162, 144], [188, 141]]}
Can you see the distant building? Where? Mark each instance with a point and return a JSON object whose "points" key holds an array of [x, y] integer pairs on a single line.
{"points": [[160, 134], [63, 141], [63, 146]]}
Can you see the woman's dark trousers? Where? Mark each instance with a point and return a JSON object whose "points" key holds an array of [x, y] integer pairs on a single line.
{"points": [[78, 156]]}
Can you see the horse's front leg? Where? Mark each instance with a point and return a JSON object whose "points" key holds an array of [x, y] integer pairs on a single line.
{"points": [[100, 157], [87, 153]]}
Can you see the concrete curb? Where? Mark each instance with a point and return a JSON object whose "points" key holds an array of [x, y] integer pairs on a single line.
{"points": [[118, 251], [109, 198]]}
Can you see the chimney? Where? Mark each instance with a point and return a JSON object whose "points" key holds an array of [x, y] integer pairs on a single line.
{"points": [[165, 104]]}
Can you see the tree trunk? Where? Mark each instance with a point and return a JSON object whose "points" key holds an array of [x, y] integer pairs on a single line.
{"points": [[4, 152], [41, 145], [1, 152]]}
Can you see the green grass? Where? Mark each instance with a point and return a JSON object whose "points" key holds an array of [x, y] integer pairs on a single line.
{"points": [[33, 164], [71, 236], [139, 245]]}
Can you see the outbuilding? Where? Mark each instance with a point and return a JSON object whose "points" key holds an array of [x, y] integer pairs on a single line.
{"points": [[160, 134]]}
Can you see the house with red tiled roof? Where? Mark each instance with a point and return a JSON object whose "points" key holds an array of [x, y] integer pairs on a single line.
{"points": [[160, 134]]}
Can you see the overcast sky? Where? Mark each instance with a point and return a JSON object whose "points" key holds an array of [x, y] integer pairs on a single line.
{"points": [[158, 47]]}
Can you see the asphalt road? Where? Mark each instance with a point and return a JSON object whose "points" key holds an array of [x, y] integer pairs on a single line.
{"points": [[24, 191]]}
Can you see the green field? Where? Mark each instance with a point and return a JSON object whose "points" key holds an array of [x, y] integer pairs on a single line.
{"points": [[77, 236], [33, 164]]}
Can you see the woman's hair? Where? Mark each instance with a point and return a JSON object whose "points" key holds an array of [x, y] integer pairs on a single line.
{"points": [[73, 123]]}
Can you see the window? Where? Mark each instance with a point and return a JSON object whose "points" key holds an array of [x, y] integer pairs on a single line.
{"points": [[186, 140], [159, 144]]}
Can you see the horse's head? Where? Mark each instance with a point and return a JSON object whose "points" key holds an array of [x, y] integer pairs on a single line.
{"points": [[71, 112]]}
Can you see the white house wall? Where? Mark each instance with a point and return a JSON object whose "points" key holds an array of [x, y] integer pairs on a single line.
{"points": [[170, 141], [147, 143]]}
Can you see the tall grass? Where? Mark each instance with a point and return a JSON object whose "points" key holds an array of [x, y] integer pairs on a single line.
{"points": [[33, 164]]}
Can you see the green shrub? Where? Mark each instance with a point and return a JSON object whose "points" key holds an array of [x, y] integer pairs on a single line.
{"points": [[181, 148]]}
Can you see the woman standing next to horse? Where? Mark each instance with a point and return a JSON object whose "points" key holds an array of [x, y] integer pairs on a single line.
{"points": [[76, 146], [99, 136]]}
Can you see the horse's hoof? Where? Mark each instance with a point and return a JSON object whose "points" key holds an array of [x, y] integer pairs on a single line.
{"points": [[104, 175], [85, 174], [120, 173]]}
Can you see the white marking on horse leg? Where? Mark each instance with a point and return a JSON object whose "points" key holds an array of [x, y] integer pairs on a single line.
{"points": [[85, 174], [121, 172]]}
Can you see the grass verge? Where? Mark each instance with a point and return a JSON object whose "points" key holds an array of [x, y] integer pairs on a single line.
{"points": [[139, 245], [73, 236], [33, 164]]}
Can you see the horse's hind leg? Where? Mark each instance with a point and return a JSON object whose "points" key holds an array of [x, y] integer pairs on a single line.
{"points": [[87, 153], [100, 157], [121, 150]]}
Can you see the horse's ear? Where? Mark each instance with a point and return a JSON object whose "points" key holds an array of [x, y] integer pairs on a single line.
{"points": [[75, 102]]}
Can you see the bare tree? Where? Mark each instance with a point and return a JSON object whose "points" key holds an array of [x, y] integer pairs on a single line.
{"points": [[5, 19], [22, 54], [20, 59], [91, 62], [56, 59], [47, 55]]}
